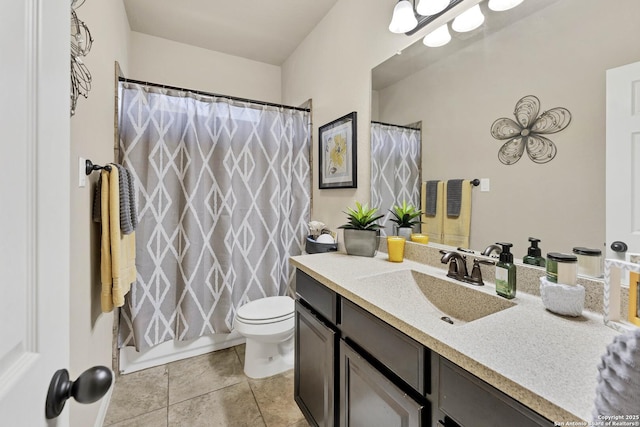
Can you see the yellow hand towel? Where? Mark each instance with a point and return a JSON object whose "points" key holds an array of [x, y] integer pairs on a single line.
{"points": [[118, 268], [456, 230], [432, 225]]}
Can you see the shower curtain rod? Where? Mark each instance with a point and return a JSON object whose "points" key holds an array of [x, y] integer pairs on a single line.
{"points": [[397, 126], [199, 92]]}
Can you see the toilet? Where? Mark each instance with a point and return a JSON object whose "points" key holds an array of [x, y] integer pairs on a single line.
{"points": [[268, 325]]}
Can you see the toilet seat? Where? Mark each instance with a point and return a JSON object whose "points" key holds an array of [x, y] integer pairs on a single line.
{"points": [[266, 310]]}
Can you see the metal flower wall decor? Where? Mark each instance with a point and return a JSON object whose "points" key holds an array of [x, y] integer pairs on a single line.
{"points": [[81, 42], [528, 130]]}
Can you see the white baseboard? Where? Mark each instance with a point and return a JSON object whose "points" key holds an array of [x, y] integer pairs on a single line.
{"points": [[171, 351]]}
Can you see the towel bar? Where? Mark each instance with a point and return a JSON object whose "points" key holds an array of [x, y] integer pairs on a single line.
{"points": [[90, 167]]}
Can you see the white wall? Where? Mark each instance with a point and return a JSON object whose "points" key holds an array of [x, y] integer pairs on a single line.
{"points": [[551, 54], [92, 136], [164, 61]]}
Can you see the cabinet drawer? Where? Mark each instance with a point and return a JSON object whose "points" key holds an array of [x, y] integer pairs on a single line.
{"points": [[322, 299], [368, 398], [405, 357], [473, 403]]}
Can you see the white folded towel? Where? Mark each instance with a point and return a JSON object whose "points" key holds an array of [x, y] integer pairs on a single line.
{"points": [[562, 299]]}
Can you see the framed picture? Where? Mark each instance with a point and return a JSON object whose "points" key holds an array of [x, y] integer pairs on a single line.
{"points": [[337, 147]]}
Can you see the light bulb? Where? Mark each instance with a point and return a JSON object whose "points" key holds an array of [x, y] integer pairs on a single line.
{"points": [[468, 20], [403, 19], [438, 37], [502, 5], [431, 7]]}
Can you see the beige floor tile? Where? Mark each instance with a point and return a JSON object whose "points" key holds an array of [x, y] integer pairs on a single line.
{"points": [[157, 418], [202, 374], [302, 423], [231, 406], [138, 393], [275, 399], [240, 351]]}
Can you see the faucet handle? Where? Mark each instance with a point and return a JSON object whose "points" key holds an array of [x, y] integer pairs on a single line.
{"points": [[476, 273]]}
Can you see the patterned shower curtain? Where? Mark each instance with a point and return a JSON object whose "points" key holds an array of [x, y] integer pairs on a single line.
{"points": [[223, 190], [395, 169]]}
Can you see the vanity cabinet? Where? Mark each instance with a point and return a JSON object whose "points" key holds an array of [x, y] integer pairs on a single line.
{"points": [[368, 398], [353, 369], [315, 367]]}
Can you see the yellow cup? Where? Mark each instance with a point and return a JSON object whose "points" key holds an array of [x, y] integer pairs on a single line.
{"points": [[395, 248], [419, 238]]}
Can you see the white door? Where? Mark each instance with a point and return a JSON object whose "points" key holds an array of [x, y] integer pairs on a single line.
{"points": [[34, 206], [623, 159]]}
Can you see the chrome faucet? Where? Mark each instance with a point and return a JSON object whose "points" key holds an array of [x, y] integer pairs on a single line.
{"points": [[491, 248], [457, 265]]}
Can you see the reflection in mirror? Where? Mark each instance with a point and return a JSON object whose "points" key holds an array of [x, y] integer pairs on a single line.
{"points": [[556, 50], [395, 169]]}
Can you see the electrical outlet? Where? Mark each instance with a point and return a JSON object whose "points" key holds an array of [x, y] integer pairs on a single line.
{"points": [[484, 184]]}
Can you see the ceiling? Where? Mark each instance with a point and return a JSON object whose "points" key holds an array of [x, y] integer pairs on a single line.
{"points": [[417, 56], [261, 30]]}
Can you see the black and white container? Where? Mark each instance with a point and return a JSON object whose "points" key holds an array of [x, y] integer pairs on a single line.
{"points": [[562, 268], [589, 261]]}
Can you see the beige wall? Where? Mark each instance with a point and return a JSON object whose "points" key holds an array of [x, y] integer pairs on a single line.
{"points": [[555, 56], [333, 67], [92, 136], [163, 61]]}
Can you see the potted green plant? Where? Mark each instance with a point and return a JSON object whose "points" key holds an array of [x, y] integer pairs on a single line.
{"points": [[406, 216], [361, 233]]}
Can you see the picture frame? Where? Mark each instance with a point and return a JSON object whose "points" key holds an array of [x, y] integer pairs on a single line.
{"points": [[337, 143]]}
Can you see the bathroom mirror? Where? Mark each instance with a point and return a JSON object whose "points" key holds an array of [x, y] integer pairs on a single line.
{"points": [[557, 50]]}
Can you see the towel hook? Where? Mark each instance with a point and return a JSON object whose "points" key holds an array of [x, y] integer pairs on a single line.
{"points": [[475, 182], [90, 167]]}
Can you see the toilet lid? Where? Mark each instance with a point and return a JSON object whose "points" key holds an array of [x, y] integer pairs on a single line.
{"points": [[267, 310]]}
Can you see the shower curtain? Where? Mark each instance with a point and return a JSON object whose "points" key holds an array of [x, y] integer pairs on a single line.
{"points": [[223, 191], [395, 169]]}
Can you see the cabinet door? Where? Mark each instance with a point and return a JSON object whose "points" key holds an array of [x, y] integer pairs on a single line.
{"points": [[314, 374], [368, 398]]}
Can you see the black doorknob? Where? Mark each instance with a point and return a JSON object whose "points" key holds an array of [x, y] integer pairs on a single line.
{"points": [[90, 386], [618, 246]]}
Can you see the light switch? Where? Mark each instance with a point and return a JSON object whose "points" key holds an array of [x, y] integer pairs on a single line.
{"points": [[484, 184], [82, 174]]}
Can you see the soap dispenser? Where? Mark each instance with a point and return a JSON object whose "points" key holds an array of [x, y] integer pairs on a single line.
{"points": [[506, 273], [534, 255]]}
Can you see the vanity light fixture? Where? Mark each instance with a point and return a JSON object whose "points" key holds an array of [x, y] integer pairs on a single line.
{"points": [[502, 5], [431, 7], [438, 37], [468, 20], [403, 19]]}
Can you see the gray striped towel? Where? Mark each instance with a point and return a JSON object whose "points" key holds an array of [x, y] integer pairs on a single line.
{"points": [[454, 197], [432, 198], [128, 208]]}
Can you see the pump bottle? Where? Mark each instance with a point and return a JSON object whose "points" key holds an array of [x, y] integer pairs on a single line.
{"points": [[506, 273], [534, 255]]}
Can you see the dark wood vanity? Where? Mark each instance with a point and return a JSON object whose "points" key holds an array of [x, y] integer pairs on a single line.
{"points": [[354, 370]]}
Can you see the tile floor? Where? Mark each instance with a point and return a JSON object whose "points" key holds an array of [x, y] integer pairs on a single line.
{"points": [[208, 390]]}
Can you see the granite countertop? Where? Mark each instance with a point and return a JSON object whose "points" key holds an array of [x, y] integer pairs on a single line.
{"points": [[546, 361]]}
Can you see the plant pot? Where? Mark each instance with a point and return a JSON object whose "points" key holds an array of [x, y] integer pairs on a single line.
{"points": [[405, 232], [361, 242]]}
